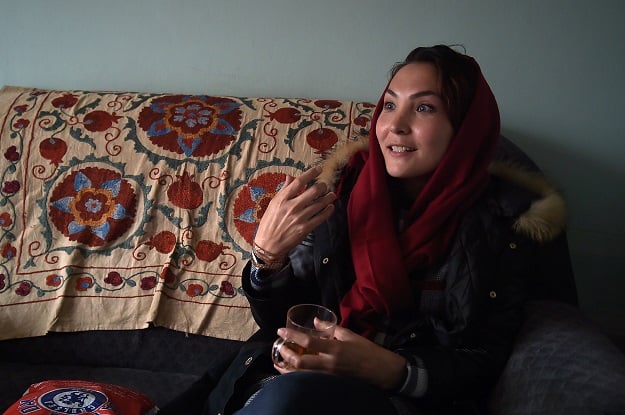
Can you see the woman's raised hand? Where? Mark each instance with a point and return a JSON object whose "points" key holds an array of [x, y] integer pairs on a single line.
{"points": [[294, 212]]}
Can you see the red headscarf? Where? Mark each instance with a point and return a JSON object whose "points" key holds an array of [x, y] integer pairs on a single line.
{"points": [[383, 258]]}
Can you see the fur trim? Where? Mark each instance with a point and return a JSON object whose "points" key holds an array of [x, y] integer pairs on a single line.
{"points": [[339, 158], [542, 222], [546, 217]]}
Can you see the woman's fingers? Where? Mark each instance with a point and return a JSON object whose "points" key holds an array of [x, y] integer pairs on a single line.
{"points": [[297, 184], [302, 351], [316, 207], [294, 212], [343, 334], [302, 191]]}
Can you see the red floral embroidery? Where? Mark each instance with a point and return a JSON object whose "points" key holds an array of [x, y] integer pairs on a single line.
{"points": [[20, 109], [11, 186], [286, 115], [322, 139], [148, 283], [100, 120], [21, 124], [191, 125], [164, 242], [53, 149], [65, 101], [185, 193], [168, 275], [9, 251], [53, 280], [114, 278], [84, 283], [5, 220], [327, 103], [23, 289], [208, 250], [226, 288], [193, 290], [361, 121], [12, 154], [2, 283]]}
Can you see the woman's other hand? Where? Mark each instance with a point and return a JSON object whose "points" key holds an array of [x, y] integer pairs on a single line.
{"points": [[294, 212], [348, 354]]}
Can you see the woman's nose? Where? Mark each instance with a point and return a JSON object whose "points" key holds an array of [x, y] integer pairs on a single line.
{"points": [[399, 123]]}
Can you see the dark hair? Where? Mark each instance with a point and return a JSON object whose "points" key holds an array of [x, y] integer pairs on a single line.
{"points": [[457, 73]]}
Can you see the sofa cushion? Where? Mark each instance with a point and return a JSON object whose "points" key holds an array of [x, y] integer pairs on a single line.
{"points": [[74, 396], [158, 362], [152, 349], [561, 365]]}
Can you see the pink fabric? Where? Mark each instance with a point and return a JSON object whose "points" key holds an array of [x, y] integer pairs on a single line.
{"points": [[382, 258]]}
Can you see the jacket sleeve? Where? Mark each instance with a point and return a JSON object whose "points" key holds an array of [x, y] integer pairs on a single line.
{"points": [[284, 289]]}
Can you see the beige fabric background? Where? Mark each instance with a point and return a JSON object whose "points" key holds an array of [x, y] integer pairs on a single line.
{"points": [[119, 209]]}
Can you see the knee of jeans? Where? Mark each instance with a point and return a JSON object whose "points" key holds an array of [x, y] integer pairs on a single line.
{"points": [[287, 394], [298, 382], [307, 393]]}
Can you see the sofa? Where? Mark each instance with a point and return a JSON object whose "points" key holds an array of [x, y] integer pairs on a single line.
{"points": [[126, 219]]}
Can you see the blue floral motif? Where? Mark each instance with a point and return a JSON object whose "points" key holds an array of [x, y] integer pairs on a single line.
{"points": [[90, 206], [196, 124]]}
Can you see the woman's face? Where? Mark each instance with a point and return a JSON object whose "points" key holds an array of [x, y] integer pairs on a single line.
{"points": [[413, 128]]}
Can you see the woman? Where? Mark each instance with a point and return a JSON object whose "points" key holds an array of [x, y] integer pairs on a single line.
{"points": [[425, 256]]}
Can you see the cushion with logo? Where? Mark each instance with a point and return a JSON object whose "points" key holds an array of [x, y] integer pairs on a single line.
{"points": [[53, 397]]}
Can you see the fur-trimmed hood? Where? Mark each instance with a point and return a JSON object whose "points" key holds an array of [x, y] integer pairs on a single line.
{"points": [[543, 221]]}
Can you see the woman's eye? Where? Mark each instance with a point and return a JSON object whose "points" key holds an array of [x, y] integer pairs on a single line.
{"points": [[389, 106], [425, 108]]}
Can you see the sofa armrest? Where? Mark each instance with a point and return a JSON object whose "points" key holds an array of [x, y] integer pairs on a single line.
{"points": [[561, 364]]}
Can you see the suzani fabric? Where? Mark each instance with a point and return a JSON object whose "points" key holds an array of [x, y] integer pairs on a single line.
{"points": [[122, 209]]}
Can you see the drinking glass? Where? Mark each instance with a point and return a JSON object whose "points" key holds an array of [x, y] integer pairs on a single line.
{"points": [[312, 319]]}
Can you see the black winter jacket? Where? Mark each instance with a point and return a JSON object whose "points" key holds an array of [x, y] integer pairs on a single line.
{"points": [[505, 250]]}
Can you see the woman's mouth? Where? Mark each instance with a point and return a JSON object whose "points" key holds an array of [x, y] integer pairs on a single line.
{"points": [[402, 149]]}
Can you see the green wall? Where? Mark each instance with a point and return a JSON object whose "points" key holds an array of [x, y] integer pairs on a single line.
{"points": [[557, 68]]}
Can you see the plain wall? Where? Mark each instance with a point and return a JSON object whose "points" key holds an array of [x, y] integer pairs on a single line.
{"points": [[557, 68]]}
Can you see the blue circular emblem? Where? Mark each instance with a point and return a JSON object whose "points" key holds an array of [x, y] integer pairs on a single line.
{"points": [[73, 400]]}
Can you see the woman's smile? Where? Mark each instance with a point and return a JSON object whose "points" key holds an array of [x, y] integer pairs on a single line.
{"points": [[402, 149]]}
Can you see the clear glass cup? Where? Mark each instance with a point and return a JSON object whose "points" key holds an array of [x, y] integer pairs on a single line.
{"points": [[312, 319]]}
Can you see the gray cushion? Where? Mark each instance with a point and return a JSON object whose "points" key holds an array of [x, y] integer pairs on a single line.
{"points": [[158, 362], [154, 348], [561, 364]]}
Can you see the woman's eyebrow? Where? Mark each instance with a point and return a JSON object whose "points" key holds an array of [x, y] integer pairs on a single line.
{"points": [[415, 95]]}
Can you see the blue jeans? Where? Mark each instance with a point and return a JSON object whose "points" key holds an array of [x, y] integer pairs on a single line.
{"points": [[303, 393]]}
